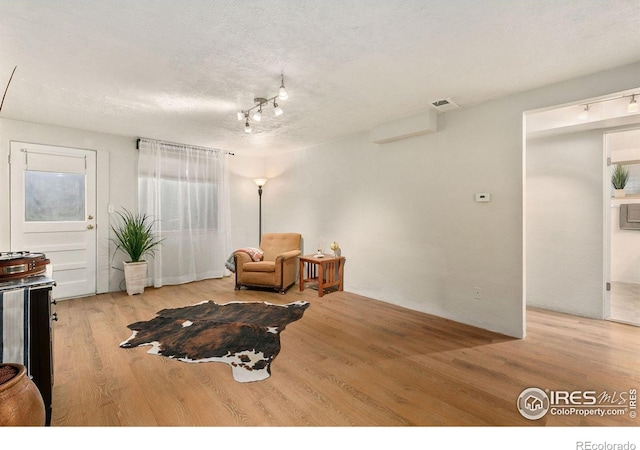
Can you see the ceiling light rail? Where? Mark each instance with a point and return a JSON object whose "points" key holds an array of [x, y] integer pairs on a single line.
{"points": [[632, 107], [255, 112]]}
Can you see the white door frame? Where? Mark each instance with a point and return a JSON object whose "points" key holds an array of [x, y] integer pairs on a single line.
{"points": [[606, 207]]}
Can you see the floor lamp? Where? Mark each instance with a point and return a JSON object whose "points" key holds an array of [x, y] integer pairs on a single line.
{"points": [[260, 182]]}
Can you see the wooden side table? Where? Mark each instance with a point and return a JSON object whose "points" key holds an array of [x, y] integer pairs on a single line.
{"points": [[327, 271]]}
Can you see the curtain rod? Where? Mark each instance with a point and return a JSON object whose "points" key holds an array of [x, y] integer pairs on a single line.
{"points": [[175, 144]]}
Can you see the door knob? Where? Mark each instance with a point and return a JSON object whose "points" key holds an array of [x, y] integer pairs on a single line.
{"points": [[89, 227]]}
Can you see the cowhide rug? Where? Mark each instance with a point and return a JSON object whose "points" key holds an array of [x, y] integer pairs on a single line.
{"points": [[244, 335]]}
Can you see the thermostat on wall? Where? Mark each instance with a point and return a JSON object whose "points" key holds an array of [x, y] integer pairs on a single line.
{"points": [[483, 197]]}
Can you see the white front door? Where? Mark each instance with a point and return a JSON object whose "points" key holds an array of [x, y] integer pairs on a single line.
{"points": [[53, 209]]}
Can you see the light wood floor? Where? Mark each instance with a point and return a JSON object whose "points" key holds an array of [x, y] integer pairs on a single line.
{"points": [[350, 361]]}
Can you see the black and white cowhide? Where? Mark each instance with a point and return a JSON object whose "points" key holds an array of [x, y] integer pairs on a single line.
{"points": [[244, 335]]}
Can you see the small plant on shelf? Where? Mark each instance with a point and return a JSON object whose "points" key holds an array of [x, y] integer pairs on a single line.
{"points": [[620, 176]]}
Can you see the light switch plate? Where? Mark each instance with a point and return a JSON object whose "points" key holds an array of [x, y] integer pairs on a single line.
{"points": [[483, 197]]}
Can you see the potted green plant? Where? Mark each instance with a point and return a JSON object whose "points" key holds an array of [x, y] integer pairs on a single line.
{"points": [[133, 234], [619, 179]]}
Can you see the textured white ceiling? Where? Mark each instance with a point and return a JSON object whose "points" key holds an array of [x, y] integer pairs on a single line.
{"points": [[180, 70]]}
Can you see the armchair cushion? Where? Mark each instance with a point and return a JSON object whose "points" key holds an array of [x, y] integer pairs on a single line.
{"points": [[260, 266]]}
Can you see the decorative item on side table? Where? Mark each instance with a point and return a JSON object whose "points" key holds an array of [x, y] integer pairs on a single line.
{"points": [[320, 250], [336, 248], [619, 179], [134, 235]]}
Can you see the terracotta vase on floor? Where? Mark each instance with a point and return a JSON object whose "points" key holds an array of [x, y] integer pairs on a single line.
{"points": [[21, 403]]}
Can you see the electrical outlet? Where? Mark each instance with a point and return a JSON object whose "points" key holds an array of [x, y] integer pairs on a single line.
{"points": [[477, 293]]}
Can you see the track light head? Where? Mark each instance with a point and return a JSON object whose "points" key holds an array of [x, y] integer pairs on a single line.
{"points": [[276, 109], [632, 107], [247, 126], [584, 114], [282, 93]]}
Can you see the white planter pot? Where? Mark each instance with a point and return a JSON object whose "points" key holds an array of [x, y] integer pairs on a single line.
{"points": [[135, 276], [618, 193]]}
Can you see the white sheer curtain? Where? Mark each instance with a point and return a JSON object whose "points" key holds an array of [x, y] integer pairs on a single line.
{"points": [[186, 191]]}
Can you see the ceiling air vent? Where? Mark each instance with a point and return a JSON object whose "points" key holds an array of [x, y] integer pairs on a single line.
{"points": [[445, 104]]}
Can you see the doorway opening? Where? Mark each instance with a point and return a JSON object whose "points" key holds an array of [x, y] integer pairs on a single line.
{"points": [[569, 209], [623, 151]]}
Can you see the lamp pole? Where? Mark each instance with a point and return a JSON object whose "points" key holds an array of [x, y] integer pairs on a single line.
{"points": [[260, 182], [259, 214]]}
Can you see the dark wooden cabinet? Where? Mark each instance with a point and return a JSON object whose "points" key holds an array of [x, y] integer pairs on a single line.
{"points": [[40, 352], [38, 344]]}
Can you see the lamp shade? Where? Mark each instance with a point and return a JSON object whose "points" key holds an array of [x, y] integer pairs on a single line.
{"points": [[633, 105], [260, 181]]}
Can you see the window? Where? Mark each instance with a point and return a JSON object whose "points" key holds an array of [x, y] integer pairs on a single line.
{"points": [[185, 190], [54, 196]]}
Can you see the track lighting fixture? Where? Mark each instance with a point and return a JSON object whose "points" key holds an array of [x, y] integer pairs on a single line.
{"points": [[259, 102], [632, 107]]}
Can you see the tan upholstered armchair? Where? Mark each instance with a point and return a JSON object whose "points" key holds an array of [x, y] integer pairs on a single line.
{"points": [[278, 268]]}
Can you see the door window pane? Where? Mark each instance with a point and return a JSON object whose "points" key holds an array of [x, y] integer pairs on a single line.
{"points": [[54, 197]]}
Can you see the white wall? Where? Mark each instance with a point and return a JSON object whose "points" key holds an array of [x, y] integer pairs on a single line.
{"points": [[565, 223], [116, 166], [406, 218]]}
